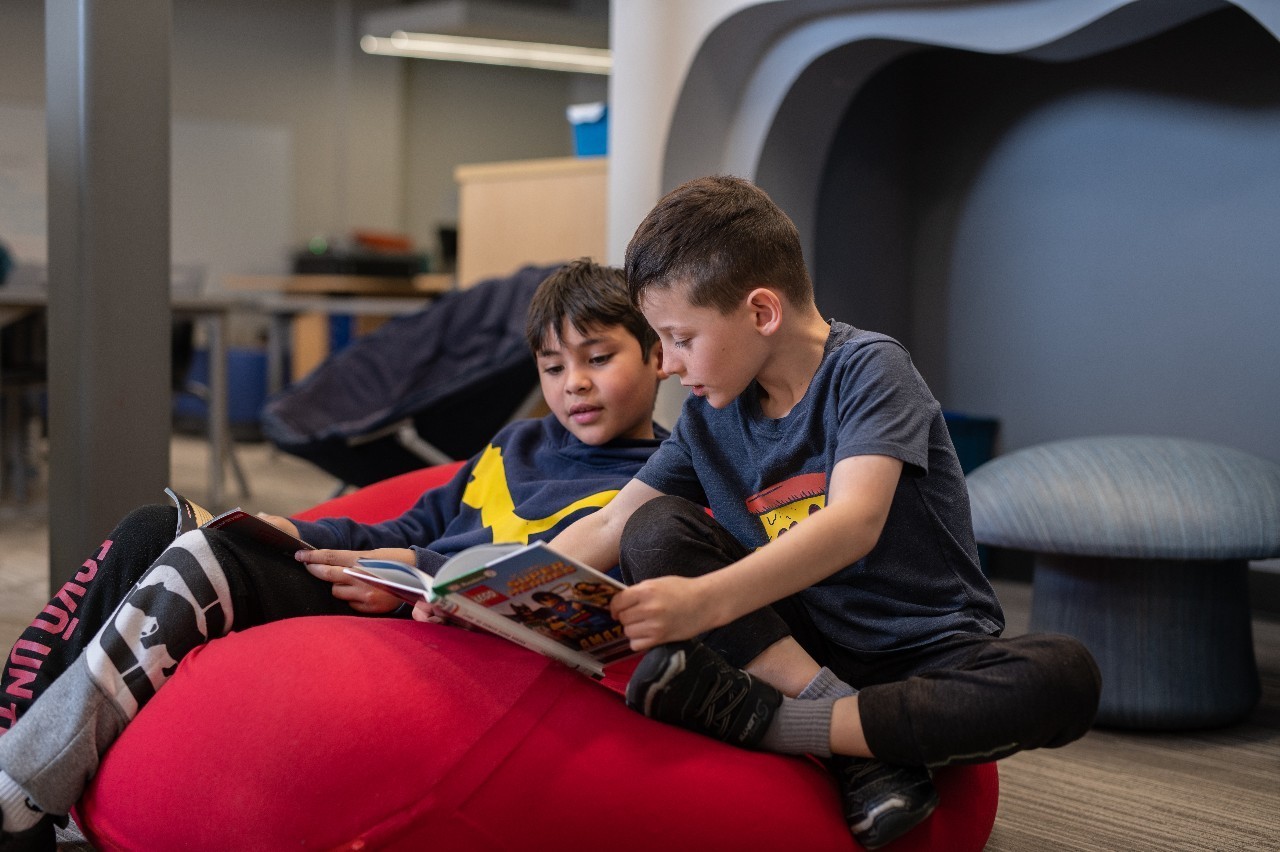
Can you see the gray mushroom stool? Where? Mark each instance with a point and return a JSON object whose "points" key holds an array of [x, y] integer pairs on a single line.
{"points": [[1141, 551]]}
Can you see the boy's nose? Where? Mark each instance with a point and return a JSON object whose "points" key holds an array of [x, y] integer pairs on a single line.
{"points": [[670, 365]]}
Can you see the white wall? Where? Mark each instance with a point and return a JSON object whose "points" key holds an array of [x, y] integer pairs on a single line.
{"points": [[281, 131], [654, 42], [21, 52], [296, 65], [285, 129], [461, 114]]}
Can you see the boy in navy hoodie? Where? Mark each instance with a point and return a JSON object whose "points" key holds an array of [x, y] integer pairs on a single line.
{"points": [[150, 598]]}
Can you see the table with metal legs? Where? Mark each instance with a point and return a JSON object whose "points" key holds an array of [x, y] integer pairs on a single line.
{"points": [[211, 313]]}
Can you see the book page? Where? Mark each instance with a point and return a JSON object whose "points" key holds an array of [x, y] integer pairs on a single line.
{"points": [[470, 560], [190, 515], [400, 579], [551, 595]]}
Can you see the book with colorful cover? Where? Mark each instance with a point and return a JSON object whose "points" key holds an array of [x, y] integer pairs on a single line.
{"points": [[236, 521], [528, 594]]}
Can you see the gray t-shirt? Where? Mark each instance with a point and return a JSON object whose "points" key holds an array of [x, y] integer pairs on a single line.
{"points": [[761, 476]]}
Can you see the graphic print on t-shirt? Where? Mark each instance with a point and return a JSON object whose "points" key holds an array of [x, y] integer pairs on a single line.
{"points": [[780, 507], [489, 493]]}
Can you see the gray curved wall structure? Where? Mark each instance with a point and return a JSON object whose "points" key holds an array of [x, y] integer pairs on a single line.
{"points": [[1061, 206]]}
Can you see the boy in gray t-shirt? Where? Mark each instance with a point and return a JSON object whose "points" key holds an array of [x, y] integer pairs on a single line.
{"points": [[834, 604], [874, 402]]}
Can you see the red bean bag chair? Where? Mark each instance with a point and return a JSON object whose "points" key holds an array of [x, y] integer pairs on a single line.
{"points": [[360, 733]]}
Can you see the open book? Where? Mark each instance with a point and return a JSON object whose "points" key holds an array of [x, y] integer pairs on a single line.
{"points": [[194, 516], [529, 594]]}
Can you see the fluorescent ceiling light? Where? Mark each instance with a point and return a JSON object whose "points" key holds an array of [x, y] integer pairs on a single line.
{"points": [[491, 51]]}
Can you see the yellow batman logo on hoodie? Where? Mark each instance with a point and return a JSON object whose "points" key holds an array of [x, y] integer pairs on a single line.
{"points": [[488, 492]]}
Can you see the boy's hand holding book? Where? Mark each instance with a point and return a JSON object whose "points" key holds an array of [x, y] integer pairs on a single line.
{"points": [[663, 609], [330, 565], [528, 594], [429, 612]]}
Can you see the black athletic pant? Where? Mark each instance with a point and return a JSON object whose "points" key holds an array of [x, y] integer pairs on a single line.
{"points": [[969, 698], [264, 587]]}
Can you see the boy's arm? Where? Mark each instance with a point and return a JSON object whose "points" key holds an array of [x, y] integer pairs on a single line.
{"points": [[595, 538], [668, 609], [420, 525]]}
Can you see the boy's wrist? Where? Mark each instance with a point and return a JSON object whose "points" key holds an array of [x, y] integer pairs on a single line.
{"points": [[715, 599]]}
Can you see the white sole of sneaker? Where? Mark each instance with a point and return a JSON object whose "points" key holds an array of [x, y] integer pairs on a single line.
{"points": [[675, 665]]}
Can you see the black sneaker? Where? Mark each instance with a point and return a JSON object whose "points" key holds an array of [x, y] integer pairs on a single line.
{"points": [[688, 684], [881, 801], [40, 837]]}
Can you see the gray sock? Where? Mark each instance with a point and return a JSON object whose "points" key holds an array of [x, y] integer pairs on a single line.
{"points": [[825, 684], [802, 725]]}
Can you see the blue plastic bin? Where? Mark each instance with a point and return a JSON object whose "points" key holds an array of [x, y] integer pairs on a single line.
{"points": [[974, 438], [975, 442], [590, 128], [246, 388]]}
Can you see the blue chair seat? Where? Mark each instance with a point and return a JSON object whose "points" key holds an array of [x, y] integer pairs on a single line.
{"points": [[1141, 549]]}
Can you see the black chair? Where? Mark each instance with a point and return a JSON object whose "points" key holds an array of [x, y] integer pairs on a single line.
{"points": [[424, 388]]}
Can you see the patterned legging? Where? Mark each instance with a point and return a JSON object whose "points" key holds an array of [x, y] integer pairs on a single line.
{"points": [[71, 696]]}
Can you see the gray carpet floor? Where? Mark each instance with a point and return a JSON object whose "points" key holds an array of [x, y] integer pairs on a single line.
{"points": [[1122, 790]]}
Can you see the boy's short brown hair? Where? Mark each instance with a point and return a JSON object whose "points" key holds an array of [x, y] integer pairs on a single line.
{"points": [[585, 294], [720, 236]]}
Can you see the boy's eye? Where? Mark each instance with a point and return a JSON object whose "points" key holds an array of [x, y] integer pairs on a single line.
{"points": [[680, 343], [599, 360], [552, 369]]}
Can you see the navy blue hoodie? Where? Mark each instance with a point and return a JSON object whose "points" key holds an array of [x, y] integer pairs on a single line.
{"points": [[531, 481]]}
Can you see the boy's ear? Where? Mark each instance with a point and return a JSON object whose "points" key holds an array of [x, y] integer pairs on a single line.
{"points": [[655, 352], [765, 306]]}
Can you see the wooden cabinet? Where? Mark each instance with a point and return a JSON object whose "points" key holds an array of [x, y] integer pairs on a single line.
{"points": [[530, 211]]}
